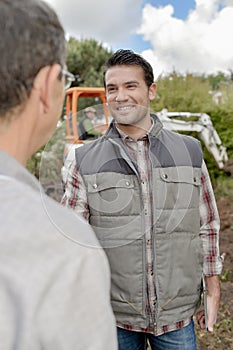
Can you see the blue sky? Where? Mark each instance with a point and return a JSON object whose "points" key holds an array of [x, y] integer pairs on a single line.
{"points": [[181, 10], [189, 35], [181, 7]]}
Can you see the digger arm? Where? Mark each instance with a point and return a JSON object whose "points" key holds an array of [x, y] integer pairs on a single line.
{"points": [[203, 126]]}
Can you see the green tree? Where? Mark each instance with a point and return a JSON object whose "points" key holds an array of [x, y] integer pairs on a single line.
{"points": [[216, 79], [85, 59], [178, 92], [191, 93]]}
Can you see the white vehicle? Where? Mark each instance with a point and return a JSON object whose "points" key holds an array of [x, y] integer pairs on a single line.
{"points": [[204, 128]]}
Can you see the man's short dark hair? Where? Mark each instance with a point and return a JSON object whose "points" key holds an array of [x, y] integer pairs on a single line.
{"points": [[32, 37], [130, 58]]}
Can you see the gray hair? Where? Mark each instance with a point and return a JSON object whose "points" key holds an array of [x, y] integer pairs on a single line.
{"points": [[32, 37]]}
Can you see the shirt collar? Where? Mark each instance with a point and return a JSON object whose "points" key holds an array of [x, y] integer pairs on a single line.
{"points": [[124, 136], [11, 168]]}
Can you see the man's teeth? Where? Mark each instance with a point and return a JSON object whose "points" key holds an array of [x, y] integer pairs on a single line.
{"points": [[126, 108]]}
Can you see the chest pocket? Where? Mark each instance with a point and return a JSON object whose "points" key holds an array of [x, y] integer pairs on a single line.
{"points": [[112, 194], [178, 187], [177, 192]]}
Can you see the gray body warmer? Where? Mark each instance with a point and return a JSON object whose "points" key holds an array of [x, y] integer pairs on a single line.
{"points": [[117, 216]]}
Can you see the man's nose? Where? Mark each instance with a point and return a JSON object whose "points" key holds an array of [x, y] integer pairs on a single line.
{"points": [[121, 95]]}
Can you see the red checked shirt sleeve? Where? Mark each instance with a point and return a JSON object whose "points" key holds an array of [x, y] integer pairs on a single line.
{"points": [[75, 196], [210, 225]]}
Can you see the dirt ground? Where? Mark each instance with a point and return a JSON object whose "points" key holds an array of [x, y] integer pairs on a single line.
{"points": [[223, 336]]}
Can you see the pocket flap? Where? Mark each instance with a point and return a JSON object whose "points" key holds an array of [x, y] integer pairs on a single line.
{"points": [[181, 174], [101, 183]]}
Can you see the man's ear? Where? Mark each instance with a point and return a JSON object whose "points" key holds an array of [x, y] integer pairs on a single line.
{"points": [[45, 84], [152, 91]]}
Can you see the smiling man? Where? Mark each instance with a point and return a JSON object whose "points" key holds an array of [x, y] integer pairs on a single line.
{"points": [[129, 98], [147, 194]]}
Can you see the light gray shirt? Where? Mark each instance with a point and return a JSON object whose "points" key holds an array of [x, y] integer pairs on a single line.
{"points": [[54, 277]]}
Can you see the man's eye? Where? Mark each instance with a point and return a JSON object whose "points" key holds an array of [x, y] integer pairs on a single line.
{"points": [[131, 86], [111, 90]]}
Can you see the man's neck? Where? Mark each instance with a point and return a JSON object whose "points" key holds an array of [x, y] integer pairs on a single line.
{"points": [[14, 151], [136, 131], [14, 142]]}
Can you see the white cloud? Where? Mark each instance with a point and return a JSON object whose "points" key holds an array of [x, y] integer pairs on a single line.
{"points": [[103, 20], [201, 43]]}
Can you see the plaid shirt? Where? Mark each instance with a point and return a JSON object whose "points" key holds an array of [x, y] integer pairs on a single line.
{"points": [[76, 198]]}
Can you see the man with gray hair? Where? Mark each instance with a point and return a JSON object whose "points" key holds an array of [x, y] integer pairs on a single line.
{"points": [[54, 277]]}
